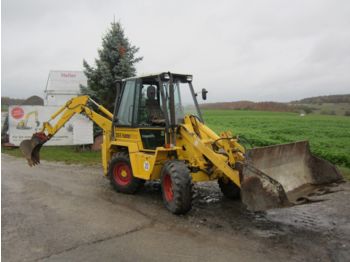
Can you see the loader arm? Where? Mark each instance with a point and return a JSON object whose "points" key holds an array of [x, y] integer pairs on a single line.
{"points": [[77, 105], [199, 140]]}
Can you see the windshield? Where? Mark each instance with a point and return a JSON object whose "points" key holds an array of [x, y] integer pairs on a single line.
{"points": [[183, 100]]}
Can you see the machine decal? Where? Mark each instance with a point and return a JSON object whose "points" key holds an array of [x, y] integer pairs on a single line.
{"points": [[146, 165]]}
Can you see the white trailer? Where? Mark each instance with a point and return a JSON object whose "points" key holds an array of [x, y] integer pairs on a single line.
{"points": [[26, 120], [62, 86]]}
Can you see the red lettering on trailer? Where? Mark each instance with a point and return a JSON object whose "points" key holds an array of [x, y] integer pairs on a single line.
{"points": [[68, 75]]}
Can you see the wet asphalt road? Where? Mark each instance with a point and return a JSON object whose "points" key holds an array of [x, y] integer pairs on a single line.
{"points": [[58, 212]]}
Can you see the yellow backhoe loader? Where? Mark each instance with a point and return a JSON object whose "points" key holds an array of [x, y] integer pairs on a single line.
{"points": [[157, 133]]}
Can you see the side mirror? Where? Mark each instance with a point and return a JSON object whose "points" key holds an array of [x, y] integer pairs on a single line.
{"points": [[204, 94]]}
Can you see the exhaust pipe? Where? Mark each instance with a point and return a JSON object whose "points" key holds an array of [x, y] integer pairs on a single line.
{"points": [[285, 175], [30, 148]]}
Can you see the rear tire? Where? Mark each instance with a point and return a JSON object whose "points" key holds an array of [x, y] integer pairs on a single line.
{"points": [[229, 189], [121, 175], [176, 182]]}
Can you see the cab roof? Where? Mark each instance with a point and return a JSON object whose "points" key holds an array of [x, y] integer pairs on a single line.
{"points": [[156, 75]]}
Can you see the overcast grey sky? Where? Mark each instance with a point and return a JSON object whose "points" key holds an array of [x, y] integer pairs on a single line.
{"points": [[238, 50]]}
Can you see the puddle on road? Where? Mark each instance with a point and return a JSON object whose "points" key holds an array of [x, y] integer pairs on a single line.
{"points": [[312, 229], [212, 210]]}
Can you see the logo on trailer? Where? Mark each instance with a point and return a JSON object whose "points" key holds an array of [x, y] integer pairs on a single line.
{"points": [[146, 165], [67, 74], [17, 112]]}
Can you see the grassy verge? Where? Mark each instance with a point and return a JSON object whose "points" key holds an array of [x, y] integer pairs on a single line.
{"points": [[345, 172], [67, 154]]}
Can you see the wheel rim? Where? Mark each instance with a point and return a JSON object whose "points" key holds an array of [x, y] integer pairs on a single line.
{"points": [[122, 174], [168, 188]]}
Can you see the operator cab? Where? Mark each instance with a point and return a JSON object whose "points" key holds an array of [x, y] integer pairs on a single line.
{"points": [[154, 104]]}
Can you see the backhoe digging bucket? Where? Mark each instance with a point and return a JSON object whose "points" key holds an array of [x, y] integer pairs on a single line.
{"points": [[285, 175], [30, 148]]}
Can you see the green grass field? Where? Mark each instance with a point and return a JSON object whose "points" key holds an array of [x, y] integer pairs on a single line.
{"points": [[329, 136]]}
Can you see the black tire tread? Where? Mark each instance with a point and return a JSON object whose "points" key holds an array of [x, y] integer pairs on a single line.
{"points": [[136, 183], [181, 185]]}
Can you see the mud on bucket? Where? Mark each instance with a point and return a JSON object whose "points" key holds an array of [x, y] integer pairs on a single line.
{"points": [[30, 148], [281, 175]]}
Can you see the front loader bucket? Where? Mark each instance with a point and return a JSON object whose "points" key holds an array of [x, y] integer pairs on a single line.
{"points": [[30, 148], [284, 175]]}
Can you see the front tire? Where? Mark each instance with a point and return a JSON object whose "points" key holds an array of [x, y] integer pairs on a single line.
{"points": [[121, 175], [176, 182]]}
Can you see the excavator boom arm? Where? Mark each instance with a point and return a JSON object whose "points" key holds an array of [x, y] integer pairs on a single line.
{"points": [[77, 105]]}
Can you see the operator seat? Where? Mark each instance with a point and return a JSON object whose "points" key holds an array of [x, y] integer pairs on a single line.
{"points": [[154, 113]]}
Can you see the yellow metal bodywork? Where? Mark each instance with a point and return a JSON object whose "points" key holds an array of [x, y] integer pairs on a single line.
{"points": [[146, 164], [207, 155], [194, 144], [198, 141]]}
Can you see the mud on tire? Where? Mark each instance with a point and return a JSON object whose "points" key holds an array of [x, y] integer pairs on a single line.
{"points": [[176, 182], [229, 189], [121, 175]]}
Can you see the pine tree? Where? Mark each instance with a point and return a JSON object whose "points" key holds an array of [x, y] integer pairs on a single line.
{"points": [[116, 60]]}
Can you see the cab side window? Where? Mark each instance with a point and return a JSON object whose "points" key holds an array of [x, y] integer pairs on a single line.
{"points": [[126, 106]]}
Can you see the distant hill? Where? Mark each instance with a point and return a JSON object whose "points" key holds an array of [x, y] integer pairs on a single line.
{"points": [[249, 105], [32, 100], [11, 101], [324, 99], [327, 105], [7, 101]]}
